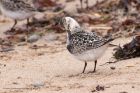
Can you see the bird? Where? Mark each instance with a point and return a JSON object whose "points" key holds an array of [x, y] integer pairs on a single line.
{"points": [[83, 45], [17, 10]]}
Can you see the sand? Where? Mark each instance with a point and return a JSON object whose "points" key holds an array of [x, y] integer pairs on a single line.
{"points": [[52, 69]]}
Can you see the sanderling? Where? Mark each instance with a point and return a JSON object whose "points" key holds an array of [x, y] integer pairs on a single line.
{"points": [[17, 10], [85, 46]]}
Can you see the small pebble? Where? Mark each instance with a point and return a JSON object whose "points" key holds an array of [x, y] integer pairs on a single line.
{"points": [[124, 92], [100, 88], [133, 86], [19, 77], [33, 38], [113, 68], [15, 83], [4, 65], [93, 91], [38, 84]]}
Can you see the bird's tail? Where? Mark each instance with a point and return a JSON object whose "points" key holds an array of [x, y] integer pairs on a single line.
{"points": [[109, 38]]}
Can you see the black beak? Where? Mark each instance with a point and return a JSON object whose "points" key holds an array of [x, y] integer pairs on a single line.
{"points": [[59, 22]]}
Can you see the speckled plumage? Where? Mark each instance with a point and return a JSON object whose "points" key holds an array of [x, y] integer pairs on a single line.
{"points": [[85, 46], [16, 5], [83, 41], [17, 10]]}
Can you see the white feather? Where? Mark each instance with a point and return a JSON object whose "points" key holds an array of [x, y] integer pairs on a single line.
{"points": [[18, 15], [73, 24], [91, 55]]}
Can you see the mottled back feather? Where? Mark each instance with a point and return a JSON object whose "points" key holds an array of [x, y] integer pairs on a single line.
{"points": [[83, 41], [16, 5]]}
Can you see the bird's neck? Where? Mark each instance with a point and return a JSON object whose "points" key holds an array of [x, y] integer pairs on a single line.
{"points": [[69, 34], [68, 37], [74, 30]]}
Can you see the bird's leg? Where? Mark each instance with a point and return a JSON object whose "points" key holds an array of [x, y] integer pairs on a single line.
{"points": [[95, 66], [87, 7], [97, 2], [27, 25], [81, 4], [15, 22], [84, 67]]}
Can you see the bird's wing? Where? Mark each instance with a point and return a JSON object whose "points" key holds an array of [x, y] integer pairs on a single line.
{"points": [[82, 41], [22, 5]]}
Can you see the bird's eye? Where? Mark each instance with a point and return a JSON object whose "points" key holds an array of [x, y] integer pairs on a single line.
{"points": [[68, 26], [63, 20]]}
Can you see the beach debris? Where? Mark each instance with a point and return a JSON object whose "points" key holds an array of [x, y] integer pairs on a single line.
{"points": [[129, 50]]}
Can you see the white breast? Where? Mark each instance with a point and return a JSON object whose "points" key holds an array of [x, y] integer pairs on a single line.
{"points": [[68, 42], [92, 55], [18, 15]]}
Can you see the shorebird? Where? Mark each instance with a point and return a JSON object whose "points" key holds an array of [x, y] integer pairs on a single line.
{"points": [[17, 10], [85, 46]]}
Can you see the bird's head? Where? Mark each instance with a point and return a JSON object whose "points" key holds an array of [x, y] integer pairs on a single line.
{"points": [[70, 24]]}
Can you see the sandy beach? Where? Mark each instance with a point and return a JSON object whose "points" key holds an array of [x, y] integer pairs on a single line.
{"points": [[52, 69]]}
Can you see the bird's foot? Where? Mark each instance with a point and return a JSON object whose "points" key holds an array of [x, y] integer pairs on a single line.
{"points": [[91, 72], [76, 75], [12, 29], [82, 73]]}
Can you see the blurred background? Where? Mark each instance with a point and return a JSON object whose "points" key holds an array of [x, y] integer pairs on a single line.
{"points": [[43, 64]]}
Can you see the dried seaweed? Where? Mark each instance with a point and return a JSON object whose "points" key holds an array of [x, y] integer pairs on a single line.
{"points": [[130, 50]]}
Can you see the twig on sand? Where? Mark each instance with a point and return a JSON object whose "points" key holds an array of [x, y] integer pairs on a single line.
{"points": [[110, 62]]}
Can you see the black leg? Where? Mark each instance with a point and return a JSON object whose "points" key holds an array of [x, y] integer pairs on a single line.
{"points": [[87, 4], [97, 2], [28, 23], [27, 28], [81, 4], [95, 66], [84, 67], [14, 25]]}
